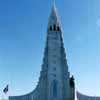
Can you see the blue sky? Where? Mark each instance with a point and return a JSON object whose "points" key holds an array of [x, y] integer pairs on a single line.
{"points": [[23, 26]]}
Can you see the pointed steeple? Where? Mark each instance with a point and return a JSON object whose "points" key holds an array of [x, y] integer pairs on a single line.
{"points": [[54, 18], [54, 81]]}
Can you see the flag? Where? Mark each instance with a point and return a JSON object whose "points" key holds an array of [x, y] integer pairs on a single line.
{"points": [[5, 90]]}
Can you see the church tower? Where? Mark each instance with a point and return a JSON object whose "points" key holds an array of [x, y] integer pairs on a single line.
{"points": [[59, 85], [54, 82]]}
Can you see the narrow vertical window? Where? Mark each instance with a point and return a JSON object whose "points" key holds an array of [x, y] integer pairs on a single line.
{"points": [[58, 29], [50, 28], [54, 88], [54, 27]]}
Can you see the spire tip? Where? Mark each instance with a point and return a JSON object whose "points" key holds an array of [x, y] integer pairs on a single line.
{"points": [[53, 3]]}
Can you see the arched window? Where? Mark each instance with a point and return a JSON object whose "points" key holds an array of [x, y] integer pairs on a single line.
{"points": [[54, 27], [50, 28], [58, 28]]}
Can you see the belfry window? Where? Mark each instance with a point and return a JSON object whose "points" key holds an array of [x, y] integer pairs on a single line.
{"points": [[50, 28], [54, 88], [54, 27], [58, 28]]}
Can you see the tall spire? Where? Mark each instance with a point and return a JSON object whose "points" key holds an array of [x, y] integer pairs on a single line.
{"points": [[54, 18], [54, 81], [54, 3]]}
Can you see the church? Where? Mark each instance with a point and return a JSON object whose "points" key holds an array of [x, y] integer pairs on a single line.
{"points": [[55, 81]]}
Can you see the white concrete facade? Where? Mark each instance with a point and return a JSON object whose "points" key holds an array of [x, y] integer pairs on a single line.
{"points": [[54, 82], [81, 96]]}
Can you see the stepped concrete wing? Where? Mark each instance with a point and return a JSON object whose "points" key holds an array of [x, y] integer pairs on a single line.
{"points": [[81, 96]]}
